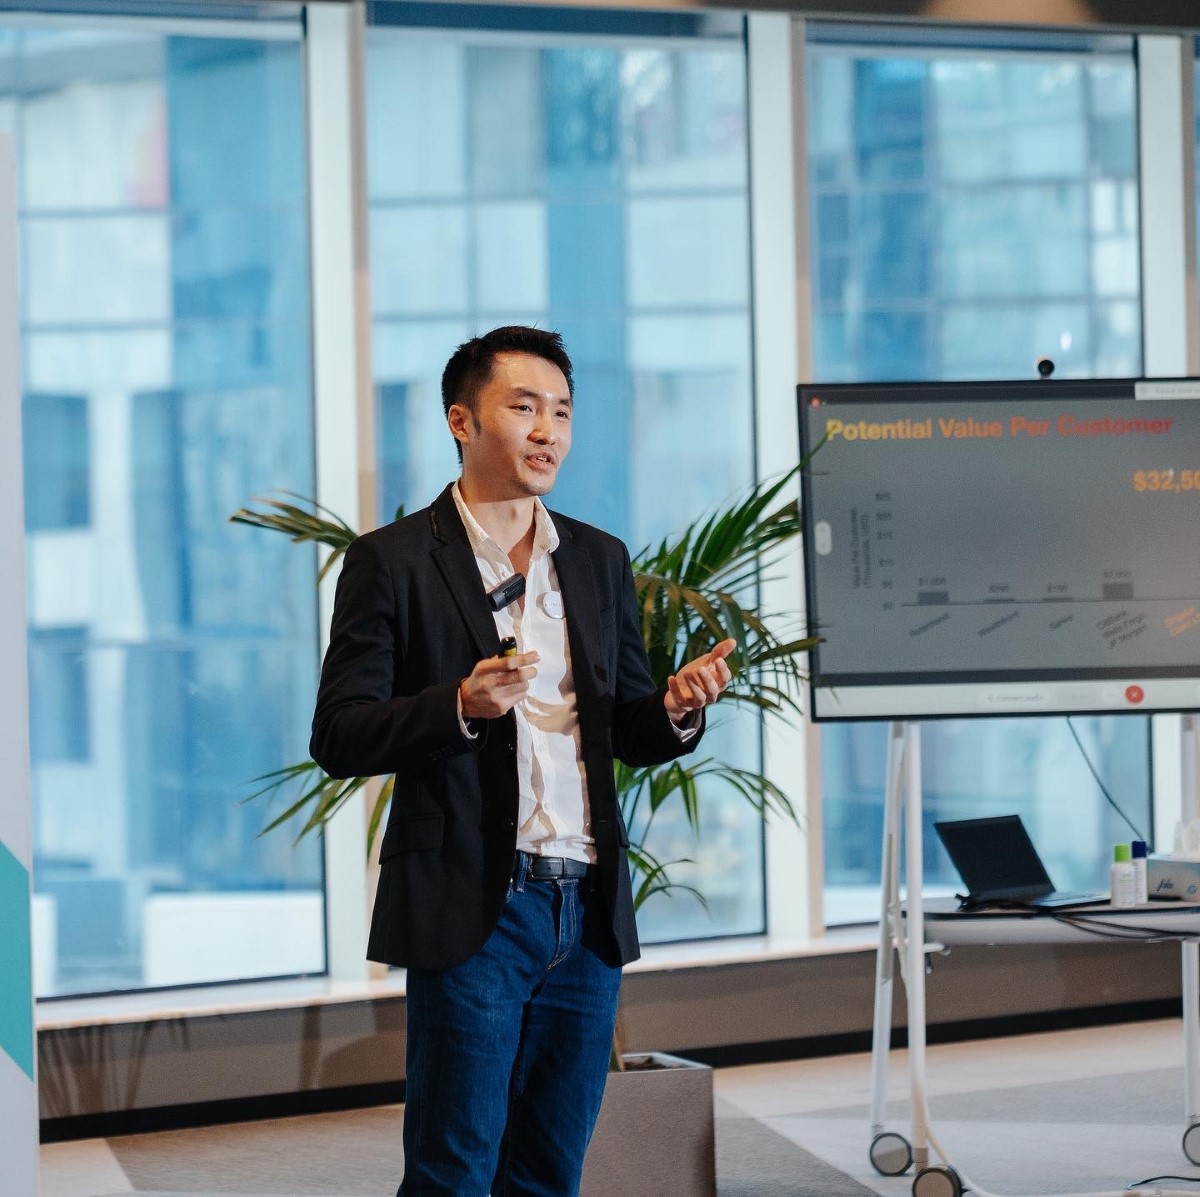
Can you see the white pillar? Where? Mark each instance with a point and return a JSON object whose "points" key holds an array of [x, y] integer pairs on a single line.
{"points": [[1170, 310], [18, 1050], [782, 358], [343, 398]]}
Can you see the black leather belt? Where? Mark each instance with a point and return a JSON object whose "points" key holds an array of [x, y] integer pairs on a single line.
{"points": [[552, 868]]}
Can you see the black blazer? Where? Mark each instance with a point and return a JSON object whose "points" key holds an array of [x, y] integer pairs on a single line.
{"points": [[410, 621]]}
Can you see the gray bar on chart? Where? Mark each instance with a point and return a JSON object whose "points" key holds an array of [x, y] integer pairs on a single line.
{"points": [[933, 598], [1118, 591]]}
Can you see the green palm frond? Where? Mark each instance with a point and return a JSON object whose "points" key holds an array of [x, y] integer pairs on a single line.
{"points": [[652, 877], [378, 809], [311, 787], [702, 586], [302, 526], [643, 792]]}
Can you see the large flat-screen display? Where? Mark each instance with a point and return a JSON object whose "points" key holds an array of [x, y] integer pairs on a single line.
{"points": [[1002, 548]]}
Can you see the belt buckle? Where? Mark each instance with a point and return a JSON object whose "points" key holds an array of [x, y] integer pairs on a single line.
{"points": [[552, 868]]}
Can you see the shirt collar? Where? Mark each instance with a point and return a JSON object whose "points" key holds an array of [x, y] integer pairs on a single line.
{"points": [[545, 534]]}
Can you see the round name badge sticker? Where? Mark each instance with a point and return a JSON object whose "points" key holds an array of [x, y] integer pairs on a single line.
{"points": [[552, 604]]}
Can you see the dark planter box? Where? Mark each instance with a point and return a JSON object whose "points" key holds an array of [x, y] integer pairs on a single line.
{"points": [[654, 1137]]}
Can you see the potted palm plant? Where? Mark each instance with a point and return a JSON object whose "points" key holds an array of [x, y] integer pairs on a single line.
{"points": [[694, 589]]}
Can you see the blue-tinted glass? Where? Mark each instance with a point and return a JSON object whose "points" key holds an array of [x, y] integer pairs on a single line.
{"points": [[833, 215], [1007, 192], [581, 92], [599, 188], [898, 338], [586, 277], [392, 400], [1017, 241], [833, 274], [974, 338], [425, 247], [246, 265], [894, 236], [69, 264], [166, 359], [831, 125], [422, 158], [666, 271], [890, 118], [58, 462], [974, 768], [510, 140], [111, 114], [60, 727], [683, 120], [1016, 121], [231, 123], [1012, 237]]}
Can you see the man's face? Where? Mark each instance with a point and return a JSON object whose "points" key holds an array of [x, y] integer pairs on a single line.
{"points": [[520, 431]]}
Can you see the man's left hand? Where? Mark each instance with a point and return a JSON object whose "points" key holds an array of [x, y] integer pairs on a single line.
{"points": [[699, 682]]}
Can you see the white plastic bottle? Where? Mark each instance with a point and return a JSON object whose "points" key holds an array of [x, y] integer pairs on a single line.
{"points": [[1123, 881], [1138, 852]]}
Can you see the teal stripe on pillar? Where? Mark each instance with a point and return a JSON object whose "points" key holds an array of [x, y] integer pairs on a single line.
{"points": [[16, 978]]}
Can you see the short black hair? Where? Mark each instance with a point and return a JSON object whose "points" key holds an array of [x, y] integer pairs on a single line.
{"points": [[470, 366]]}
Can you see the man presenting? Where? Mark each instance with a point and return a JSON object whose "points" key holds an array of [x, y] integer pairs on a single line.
{"points": [[503, 887]]}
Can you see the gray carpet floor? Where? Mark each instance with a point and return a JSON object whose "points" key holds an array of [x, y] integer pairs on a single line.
{"points": [[358, 1153], [755, 1161], [1089, 1123]]}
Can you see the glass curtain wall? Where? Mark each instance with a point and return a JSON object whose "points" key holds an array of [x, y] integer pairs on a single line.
{"points": [[974, 207], [172, 655], [584, 171]]}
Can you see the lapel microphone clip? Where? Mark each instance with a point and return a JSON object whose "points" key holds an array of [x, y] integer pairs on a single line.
{"points": [[507, 592]]}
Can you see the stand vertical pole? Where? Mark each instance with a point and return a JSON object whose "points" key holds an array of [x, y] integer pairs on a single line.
{"points": [[18, 1080], [889, 925], [915, 936], [1190, 809]]}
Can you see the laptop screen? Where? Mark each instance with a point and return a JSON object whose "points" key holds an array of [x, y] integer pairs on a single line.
{"points": [[995, 856]]}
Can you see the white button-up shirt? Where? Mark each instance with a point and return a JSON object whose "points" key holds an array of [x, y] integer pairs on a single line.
{"points": [[554, 818]]}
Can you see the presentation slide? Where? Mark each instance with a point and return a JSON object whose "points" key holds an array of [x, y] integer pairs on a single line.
{"points": [[1017, 547]]}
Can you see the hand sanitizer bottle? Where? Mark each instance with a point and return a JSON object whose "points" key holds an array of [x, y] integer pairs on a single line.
{"points": [[1122, 877], [1138, 851]]}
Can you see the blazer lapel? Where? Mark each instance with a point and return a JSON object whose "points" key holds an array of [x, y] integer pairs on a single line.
{"points": [[574, 569], [458, 568]]}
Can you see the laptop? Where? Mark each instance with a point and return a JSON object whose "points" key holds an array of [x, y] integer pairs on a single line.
{"points": [[1000, 866]]}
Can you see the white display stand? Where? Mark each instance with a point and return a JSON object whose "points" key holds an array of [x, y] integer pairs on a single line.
{"points": [[18, 1050], [902, 937]]}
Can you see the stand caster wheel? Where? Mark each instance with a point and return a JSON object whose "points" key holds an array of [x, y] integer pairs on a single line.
{"points": [[891, 1154], [1191, 1143], [938, 1180]]}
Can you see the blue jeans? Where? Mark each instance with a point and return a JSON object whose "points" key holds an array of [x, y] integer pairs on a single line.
{"points": [[508, 1051]]}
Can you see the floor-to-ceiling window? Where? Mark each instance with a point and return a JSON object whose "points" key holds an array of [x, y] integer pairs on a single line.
{"points": [[974, 208], [166, 381], [584, 171]]}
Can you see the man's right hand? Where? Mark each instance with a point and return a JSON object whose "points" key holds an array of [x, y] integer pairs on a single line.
{"points": [[496, 685]]}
